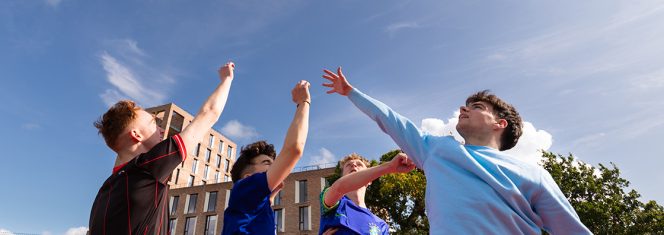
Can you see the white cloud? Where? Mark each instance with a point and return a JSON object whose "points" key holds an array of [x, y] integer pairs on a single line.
{"points": [[529, 147], [235, 129], [324, 156], [30, 126], [396, 27], [130, 76], [53, 3], [5, 232], [77, 231]]}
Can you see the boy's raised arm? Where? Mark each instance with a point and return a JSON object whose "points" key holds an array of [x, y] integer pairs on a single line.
{"points": [[356, 180], [295, 137], [211, 110]]}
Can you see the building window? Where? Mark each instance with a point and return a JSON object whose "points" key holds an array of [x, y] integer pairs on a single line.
{"points": [[279, 219], [211, 201], [301, 191], [277, 199], [210, 224], [174, 204], [194, 166], [190, 226], [191, 206], [228, 163], [191, 181], [176, 124], [208, 152], [218, 161], [197, 150], [226, 178], [211, 143], [217, 177], [172, 223], [177, 176], [221, 146], [206, 171], [230, 152], [228, 196], [305, 217]]}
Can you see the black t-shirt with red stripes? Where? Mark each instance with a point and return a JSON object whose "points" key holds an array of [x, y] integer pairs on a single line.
{"points": [[133, 200]]}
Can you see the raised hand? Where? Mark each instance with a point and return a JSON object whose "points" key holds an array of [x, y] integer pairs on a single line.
{"points": [[300, 92], [401, 164], [226, 71], [338, 84]]}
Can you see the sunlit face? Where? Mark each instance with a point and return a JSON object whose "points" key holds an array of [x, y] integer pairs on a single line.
{"points": [[476, 118], [146, 124], [259, 164], [351, 166]]}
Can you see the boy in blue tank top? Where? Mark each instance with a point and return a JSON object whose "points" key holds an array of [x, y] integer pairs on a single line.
{"points": [[258, 174], [343, 210]]}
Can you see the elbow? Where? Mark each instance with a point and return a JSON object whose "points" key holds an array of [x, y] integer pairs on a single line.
{"points": [[210, 111], [296, 149]]}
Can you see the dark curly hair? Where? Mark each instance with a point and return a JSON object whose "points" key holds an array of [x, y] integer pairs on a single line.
{"points": [[248, 153], [504, 111]]}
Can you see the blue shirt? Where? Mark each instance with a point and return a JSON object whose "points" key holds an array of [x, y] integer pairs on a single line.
{"points": [[249, 210], [476, 189], [350, 218]]}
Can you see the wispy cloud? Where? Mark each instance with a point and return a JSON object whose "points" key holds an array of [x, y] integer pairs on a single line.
{"points": [[235, 129], [77, 231], [5, 232], [324, 156], [30, 126], [529, 147], [129, 75], [396, 27], [53, 3]]}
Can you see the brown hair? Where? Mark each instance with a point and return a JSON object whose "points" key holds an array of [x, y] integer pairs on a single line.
{"points": [[504, 111], [248, 153], [116, 120], [354, 156]]}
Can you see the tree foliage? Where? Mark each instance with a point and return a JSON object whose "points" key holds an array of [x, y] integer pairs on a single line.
{"points": [[598, 195]]}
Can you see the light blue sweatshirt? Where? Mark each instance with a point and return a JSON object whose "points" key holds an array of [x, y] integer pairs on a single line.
{"points": [[476, 189]]}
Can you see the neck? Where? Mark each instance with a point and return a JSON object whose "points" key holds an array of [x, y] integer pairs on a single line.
{"points": [[488, 140], [127, 154], [358, 196]]}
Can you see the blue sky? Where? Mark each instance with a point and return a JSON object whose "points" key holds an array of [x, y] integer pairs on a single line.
{"points": [[587, 75]]}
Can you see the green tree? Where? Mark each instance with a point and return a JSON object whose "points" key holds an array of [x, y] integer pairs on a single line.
{"points": [[598, 195]]}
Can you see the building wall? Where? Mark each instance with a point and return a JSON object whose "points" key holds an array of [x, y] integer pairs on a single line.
{"points": [[315, 183], [173, 119]]}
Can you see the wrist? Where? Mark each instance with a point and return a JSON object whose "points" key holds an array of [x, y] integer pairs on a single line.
{"points": [[302, 102]]}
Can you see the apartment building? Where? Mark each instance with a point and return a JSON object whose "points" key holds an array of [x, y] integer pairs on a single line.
{"points": [[212, 157]]}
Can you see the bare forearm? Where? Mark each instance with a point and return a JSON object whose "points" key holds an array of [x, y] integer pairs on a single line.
{"points": [[293, 147], [297, 132], [207, 115], [358, 179]]}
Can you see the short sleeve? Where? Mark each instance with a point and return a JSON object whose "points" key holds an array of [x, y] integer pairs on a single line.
{"points": [[163, 158], [324, 209]]}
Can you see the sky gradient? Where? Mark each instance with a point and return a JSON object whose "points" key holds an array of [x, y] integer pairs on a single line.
{"points": [[587, 77]]}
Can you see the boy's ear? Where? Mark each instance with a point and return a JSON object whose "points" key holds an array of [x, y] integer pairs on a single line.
{"points": [[135, 135], [501, 123]]}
